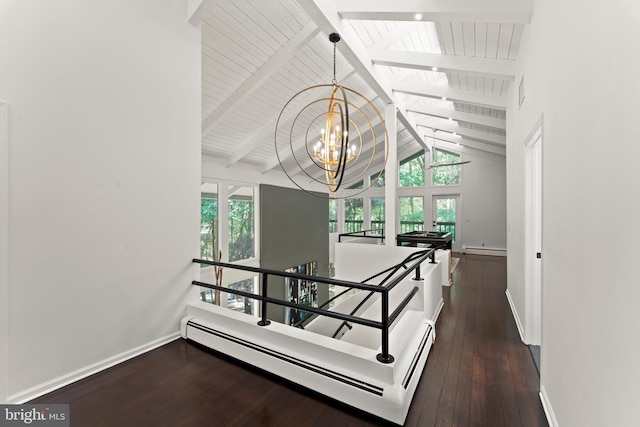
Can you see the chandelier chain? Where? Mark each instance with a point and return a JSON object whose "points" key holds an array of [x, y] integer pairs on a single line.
{"points": [[334, 81]]}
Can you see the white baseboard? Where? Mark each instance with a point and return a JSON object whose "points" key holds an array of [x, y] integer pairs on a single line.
{"points": [[481, 250], [546, 406], [514, 312], [438, 310], [61, 381]]}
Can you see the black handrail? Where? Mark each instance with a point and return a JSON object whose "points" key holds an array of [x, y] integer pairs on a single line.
{"points": [[363, 233], [310, 309], [394, 269], [386, 319]]}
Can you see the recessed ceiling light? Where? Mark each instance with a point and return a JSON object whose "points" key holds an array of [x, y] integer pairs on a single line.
{"points": [[418, 16], [450, 119], [444, 98], [455, 134], [434, 68]]}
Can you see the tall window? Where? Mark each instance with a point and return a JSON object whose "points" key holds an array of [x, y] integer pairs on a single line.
{"points": [[333, 215], [238, 302], [377, 180], [241, 224], [209, 222], [377, 213], [445, 175], [411, 214], [411, 172], [357, 185], [353, 215]]}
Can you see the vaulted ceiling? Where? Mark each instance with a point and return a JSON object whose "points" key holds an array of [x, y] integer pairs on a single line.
{"points": [[446, 64]]}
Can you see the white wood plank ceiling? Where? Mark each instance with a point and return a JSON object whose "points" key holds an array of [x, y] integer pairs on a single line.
{"points": [[447, 69]]}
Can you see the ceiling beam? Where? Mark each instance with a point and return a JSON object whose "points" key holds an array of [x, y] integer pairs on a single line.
{"points": [[450, 127], [401, 30], [487, 67], [460, 116], [440, 92], [325, 14], [196, 9], [476, 145], [489, 11], [273, 64]]}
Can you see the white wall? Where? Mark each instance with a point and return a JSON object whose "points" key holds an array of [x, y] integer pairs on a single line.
{"points": [[104, 155], [581, 72], [484, 204]]}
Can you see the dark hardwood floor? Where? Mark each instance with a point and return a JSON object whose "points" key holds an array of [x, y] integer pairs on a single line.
{"points": [[479, 373]]}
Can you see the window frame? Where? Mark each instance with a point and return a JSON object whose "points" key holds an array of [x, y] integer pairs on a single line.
{"points": [[450, 152]]}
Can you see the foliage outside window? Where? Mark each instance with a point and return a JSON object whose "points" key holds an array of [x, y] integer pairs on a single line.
{"points": [[238, 302], [446, 216], [353, 215], [209, 227], [445, 175], [377, 213], [411, 214], [241, 225], [380, 180], [411, 171], [333, 215]]}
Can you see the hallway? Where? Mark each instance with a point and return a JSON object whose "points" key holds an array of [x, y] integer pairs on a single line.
{"points": [[479, 373]]}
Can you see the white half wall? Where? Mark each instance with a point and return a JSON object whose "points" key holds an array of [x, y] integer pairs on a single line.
{"points": [[580, 74], [104, 153], [356, 262]]}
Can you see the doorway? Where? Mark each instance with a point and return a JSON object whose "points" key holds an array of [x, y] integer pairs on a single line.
{"points": [[533, 241], [446, 218]]}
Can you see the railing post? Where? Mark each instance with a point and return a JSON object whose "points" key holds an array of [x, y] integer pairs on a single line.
{"points": [[433, 258], [417, 276], [263, 302], [385, 357]]}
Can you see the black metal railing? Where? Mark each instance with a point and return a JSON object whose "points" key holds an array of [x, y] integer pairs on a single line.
{"points": [[356, 225], [389, 281], [408, 226], [447, 227], [390, 272], [369, 234]]}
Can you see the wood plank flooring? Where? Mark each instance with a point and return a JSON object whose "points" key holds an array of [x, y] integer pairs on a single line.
{"points": [[478, 374]]}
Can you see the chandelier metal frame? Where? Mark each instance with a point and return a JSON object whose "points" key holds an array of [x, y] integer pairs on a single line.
{"points": [[342, 145]]}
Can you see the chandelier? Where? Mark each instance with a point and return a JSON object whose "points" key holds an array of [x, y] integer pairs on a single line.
{"points": [[332, 135]]}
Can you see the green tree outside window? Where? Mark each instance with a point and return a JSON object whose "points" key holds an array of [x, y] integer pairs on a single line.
{"points": [[411, 171], [208, 228], [241, 228], [445, 175], [377, 213], [353, 215], [411, 214], [333, 215]]}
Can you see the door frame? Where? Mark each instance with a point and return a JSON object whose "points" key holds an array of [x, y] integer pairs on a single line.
{"points": [[533, 235]]}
